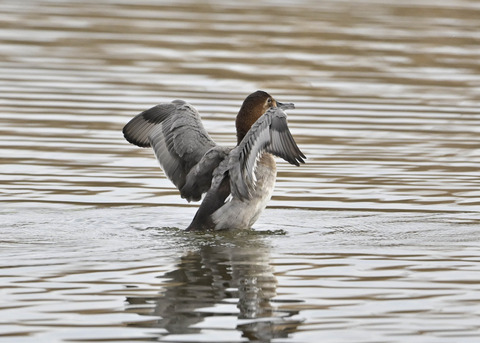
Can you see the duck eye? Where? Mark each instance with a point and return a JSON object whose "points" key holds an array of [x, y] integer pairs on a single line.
{"points": [[269, 100]]}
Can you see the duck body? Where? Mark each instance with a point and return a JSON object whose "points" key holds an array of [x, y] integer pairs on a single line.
{"points": [[237, 181], [233, 212]]}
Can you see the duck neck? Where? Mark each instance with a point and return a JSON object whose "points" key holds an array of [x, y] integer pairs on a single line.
{"points": [[244, 121], [240, 136]]}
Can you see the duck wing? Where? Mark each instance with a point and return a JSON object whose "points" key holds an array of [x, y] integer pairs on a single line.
{"points": [[176, 134], [270, 134]]}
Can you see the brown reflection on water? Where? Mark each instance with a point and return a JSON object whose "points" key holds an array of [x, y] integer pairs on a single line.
{"points": [[387, 97]]}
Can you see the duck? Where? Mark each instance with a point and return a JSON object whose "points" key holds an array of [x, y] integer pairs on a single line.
{"points": [[235, 183]]}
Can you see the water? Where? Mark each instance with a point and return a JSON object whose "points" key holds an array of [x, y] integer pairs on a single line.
{"points": [[375, 239]]}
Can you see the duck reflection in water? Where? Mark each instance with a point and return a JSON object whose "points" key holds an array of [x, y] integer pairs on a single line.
{"points": [[220, 280]]}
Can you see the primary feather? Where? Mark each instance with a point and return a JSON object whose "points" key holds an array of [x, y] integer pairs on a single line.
{"points": [[270, 134]]}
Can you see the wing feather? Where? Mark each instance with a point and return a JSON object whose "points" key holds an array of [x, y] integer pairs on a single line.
{"points": [[179, 140], [270, 134]]}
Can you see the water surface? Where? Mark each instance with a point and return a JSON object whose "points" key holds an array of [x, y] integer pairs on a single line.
{"points": [[375, 239]]}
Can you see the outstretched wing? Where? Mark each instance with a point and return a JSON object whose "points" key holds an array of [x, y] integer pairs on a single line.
{"points": [[270, 134], [176, 134]]}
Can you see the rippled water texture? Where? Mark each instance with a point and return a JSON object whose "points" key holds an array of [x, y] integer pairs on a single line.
{"points": [[375, 239]]}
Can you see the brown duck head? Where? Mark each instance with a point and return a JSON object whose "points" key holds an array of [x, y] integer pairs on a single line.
{"points": [[253, 107]]}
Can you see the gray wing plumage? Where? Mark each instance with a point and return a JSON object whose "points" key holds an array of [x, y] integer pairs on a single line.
{"points": [[176, 134], [270, 134], [199, 179]]}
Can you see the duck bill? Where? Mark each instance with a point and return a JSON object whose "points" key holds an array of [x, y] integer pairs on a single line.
{"points": [[285, 105]]}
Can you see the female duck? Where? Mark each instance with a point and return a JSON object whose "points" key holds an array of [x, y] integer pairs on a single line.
{"points": [[239, 181]]}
